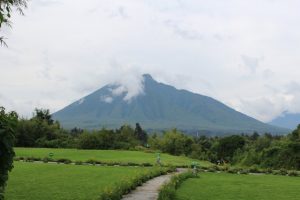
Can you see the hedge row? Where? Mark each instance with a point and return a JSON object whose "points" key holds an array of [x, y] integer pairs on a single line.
{"points": [[167, 191], [90, 161], [126, 185], [253, 169]]}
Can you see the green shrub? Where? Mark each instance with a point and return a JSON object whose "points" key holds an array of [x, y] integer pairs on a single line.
{"points": [[282, 172], [167, 191], [93, 162], [47, 159], [147, 165], [17, 159], [293, 173], [64, 160], [213, 168], [232, 170], [78, 162], [254, 169], [268, 171], [32, 159], [223, 168], [243, 171]]}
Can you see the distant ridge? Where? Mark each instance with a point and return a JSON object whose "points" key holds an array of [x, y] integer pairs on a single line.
{"points": [[287, 120], [159, 107]]}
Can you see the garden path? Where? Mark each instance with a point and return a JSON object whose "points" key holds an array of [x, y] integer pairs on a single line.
{"points": [[150, 189]]}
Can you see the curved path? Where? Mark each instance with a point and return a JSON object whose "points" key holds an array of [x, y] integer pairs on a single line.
{"points": [[150, 189]]}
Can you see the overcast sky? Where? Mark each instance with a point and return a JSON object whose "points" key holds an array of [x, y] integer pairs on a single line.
{"points": [[243, 53]]}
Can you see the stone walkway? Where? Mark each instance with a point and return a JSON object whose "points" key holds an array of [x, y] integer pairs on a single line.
{"points": [[150, 189]]}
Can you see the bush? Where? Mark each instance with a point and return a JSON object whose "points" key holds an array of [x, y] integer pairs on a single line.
{"points": [[223, 168], [64, 160], [32, 159], [93, 162], [293, 173], [47, 159], [213, 168], [167, 191], [232, 170], [282, 172], [78, 162], [243, 171]]}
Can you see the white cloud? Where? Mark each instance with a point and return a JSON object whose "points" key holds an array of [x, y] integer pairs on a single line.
{"points": [[106, 99], [63, 50]]}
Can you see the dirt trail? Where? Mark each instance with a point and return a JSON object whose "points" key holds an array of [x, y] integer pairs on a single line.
{"points": [[149, 190]]}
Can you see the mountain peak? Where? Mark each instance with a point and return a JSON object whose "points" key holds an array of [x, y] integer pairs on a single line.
{"points": [[147, 77], [160, 107]]}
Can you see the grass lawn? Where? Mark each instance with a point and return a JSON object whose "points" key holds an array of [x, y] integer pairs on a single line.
{"points": [[39, 181], [214, 186], [106, 156]]}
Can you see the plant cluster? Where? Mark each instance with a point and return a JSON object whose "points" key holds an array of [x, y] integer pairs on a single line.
{"points": [[168, 190], [251, 170], [8, 123]]}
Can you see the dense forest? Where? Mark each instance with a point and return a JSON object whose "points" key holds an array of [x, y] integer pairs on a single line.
{"points": [[264, 151]]}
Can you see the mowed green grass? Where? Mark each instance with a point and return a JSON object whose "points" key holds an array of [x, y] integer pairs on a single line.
{"points": [[107, 156], [214, 186], [39, 181]]}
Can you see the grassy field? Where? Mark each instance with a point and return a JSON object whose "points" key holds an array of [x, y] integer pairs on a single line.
{"points": [[214, 186], [106, 156], [39, 181]]}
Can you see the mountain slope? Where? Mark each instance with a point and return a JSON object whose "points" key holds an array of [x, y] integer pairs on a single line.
{"points": [[287, 120], [159, 107]]}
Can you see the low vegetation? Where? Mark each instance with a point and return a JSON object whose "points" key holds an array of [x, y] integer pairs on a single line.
{"points": [[215, 186], [30, 181], [168, 190], [110, 157]]}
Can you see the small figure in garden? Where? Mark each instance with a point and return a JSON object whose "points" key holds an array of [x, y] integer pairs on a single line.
{"points": [[158, 159], [194, 166]]}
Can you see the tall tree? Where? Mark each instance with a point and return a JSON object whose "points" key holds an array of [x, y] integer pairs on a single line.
{"points": [[140, 134], [8, 123], [43, 115], [6, 8]]}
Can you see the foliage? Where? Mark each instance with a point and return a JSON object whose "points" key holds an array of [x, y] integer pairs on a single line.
{"points": [[140, 134], [228, 145], [6, 7], [173, 142], [7, 127], [168, 190]]}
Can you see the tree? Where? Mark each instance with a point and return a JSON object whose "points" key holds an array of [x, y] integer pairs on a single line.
{"points": [[43, 115], [176, 143], [6, 8], [8, 123], [140, 134], [228, 145]]}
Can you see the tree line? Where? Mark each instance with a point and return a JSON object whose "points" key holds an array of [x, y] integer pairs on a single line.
{"points": [[267, 150]]}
